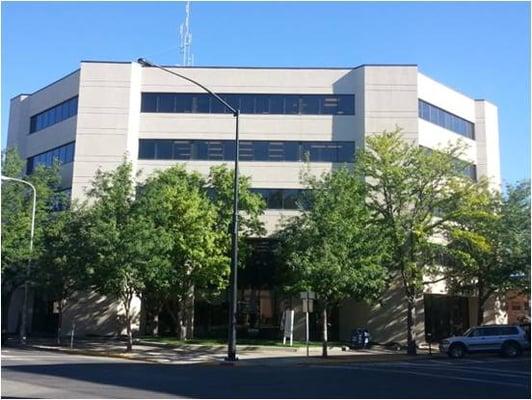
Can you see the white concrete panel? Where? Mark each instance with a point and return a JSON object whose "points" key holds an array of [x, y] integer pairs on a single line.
{"points": [[446, 98], [435, 137], [244, 80], [487, 138], [390, 100]]}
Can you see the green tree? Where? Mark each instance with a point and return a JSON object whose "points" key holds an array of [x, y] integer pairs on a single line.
{"points": [[17, 203], [177, 203], [125, 245], [489, 246], [62, 264], [332, 248], [413, 193]]}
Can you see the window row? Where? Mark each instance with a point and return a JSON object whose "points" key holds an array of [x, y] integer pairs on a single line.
{"points": [[224, 150], [446, 120], [469, 169], [309, 104], [282, 199], [64, 154], [54, 115]]}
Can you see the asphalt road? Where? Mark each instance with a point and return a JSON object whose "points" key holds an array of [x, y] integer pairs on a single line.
{"points": [[37, 374]]}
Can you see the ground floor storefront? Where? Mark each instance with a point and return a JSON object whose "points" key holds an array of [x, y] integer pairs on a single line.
{"points": [[261, 306]]}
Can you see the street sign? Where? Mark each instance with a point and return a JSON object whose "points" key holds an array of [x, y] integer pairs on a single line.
{"points": [[308, 305], [307, 295]]}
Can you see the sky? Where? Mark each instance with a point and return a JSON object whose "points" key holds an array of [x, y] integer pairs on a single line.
{"points": [[481, 49]]}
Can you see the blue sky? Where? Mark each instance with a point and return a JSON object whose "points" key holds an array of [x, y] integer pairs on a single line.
{"points": [[481, 49]]}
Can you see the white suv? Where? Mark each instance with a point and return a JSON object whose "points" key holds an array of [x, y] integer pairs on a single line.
{"points": [[506, 339]]}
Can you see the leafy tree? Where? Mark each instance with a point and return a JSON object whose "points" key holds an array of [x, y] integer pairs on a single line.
{"points": [[64, 258], [126, 247], [413, 193], [332, 248], [176, 202], [17, 203], [489, 246]]}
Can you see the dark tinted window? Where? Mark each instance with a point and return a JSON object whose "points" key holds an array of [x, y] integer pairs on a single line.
{"points": [[247, 104], [346, 105], [260, 150], [63, 154], [149, 102], [182, 150], [202, 103], [166, 103], [310, 104], [445, 119], [163, 150], [54, 115], [281, 199], [291, 104], [147, 149], [246, 150], [508, 330], [276, 104]]}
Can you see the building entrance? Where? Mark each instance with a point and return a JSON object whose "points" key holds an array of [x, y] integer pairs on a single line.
{"points": [[445, 315]]}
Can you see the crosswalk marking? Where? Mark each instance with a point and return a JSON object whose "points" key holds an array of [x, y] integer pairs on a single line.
{"points": [[404, 371]]}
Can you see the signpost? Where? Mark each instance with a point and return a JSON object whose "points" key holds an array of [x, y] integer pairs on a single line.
{"points": [[308, 306]]}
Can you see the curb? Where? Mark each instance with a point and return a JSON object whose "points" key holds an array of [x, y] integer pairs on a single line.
{"points": [[123, 356], [296, 361]]}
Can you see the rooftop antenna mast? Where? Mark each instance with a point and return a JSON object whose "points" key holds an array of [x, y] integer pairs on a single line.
{"points": [[185, 39]]}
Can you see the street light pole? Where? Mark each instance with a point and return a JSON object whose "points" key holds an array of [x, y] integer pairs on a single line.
{"points": [[22, 333], [231, 345]]}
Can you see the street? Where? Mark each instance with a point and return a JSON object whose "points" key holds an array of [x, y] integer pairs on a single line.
{"points": [[40, 374]]}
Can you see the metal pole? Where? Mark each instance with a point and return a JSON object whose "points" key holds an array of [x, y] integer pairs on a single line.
{"points": [[306, 329], [231, 345], [231, 348], [22, 333]]}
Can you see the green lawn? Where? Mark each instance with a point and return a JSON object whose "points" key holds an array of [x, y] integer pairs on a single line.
{"points": [[220, 342]]}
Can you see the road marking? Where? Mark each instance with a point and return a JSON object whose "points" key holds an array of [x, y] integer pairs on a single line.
{"points": [[459, 378], [490, 371]]}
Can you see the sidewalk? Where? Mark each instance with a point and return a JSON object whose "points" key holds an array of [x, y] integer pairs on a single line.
{"points": [[146, 351]]}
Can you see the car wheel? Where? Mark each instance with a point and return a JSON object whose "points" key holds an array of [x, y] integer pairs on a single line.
{"points": [[456, 351], [510, 349]]}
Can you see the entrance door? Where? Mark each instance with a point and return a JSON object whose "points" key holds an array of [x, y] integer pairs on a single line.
{"points": [[445, 315]]}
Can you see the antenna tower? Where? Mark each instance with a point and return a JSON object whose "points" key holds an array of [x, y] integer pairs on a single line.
{"points": [[185, 39]]}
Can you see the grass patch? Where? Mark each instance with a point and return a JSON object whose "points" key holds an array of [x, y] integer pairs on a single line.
{"points": [[222, 342]]}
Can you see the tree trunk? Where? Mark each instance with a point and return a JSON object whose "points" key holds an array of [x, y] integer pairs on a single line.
{"points": [[480, 306], [410, 326], [143, 316], [324, 322], [189, 313], [181, 329], [127, 307], [59, 321], [155, 330]]}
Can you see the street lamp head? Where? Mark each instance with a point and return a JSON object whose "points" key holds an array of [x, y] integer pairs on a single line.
{"points": [[144, 62]]}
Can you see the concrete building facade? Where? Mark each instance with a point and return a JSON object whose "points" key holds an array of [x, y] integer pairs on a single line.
{"points": [[104, 111]]}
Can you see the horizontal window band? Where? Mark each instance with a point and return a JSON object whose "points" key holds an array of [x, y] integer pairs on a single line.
{"points": [[259, 104], [445, 119], [258, 150], [54, 115]]}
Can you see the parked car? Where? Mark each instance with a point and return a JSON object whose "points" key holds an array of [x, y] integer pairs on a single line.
{"points": [[508, 340]]}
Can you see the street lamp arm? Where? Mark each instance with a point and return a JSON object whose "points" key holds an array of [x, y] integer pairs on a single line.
{"points": [[24, 318], [8, 178], [146, 63]]}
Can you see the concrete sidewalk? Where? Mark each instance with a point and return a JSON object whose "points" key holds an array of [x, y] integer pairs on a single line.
{"points": [[248, 355]]}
